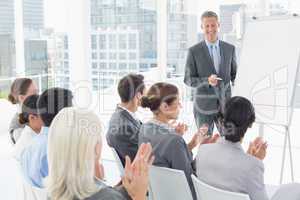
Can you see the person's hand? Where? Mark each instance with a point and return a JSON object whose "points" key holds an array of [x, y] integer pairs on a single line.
{"points": [[212, 80], [261, 151], [258, 148], [181, 128], [254, 144], [198, 137], [208, 140], [99, 170], [194, 141], [135, 179]]}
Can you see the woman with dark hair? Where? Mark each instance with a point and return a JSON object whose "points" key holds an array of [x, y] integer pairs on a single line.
{"points": [[20, 89], [216, 162], [31, 120], [169, 148]]}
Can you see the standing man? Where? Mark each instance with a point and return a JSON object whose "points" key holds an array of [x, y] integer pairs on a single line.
{"points": [[210, 69]]}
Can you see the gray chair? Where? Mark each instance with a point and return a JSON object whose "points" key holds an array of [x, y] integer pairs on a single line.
{"points": [[207, 192], [289, 191], [118, 161], [166, 183]]}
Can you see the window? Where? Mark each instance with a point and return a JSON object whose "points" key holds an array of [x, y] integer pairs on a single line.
{"points": [[122, 56], [132, 56], [94, 56], [132, 41], [113, 66], [66, 64], [112, 42], [121, 74], [112, 56], [94, 41], [132, 66], [102, 56], [102, 65], [103, 73], [122, 41], [122, 66], [102, 41], [95, 73], [95, 81], [66, 56], [94, 65]]}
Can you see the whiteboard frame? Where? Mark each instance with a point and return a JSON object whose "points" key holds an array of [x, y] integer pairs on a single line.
{"points": [[291, 101]]}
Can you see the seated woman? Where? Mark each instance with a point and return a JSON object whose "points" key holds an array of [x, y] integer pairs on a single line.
{"points": [[74, 152], [224, 164], [20, 89], [170, 149], [33, 124]]}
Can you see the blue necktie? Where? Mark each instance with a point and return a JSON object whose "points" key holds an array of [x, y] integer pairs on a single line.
{"points": [[215, 57]]}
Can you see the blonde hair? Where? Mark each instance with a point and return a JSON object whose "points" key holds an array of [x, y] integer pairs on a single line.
{"points": [[73, 136]]}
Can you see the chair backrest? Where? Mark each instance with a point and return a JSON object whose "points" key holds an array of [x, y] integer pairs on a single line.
{"points": [[168, 183], [207, 192], [118, 161]]}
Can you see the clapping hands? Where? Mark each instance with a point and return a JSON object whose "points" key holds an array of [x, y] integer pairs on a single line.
{"points": [[181, 128], [201, 137], [258, 148], [135, 179]]}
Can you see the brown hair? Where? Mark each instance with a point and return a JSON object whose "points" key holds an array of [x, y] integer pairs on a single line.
{"points": [[208, 14], [159, 93], [18, 87], [130, 85], [29, 107]]}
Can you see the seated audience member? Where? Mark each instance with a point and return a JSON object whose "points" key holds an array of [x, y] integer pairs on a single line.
{"points": [[19, 90], [74, 152], [34, 158], [169, 148], [124, 126], [225, 164], [33, 124]]}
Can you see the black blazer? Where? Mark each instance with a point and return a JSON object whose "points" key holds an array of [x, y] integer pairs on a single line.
{"points": [[199, 66], [123, 133]]}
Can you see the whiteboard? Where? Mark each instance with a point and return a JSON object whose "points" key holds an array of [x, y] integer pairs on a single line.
{"points": [[268, 67]]}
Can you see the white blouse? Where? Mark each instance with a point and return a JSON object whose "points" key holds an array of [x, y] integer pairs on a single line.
{"points": [[25, 139]]}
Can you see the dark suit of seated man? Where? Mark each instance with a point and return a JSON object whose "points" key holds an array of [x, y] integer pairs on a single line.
{"points": [[124, 126]]}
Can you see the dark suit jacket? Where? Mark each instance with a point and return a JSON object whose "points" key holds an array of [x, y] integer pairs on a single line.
{"points": [[110, 193], [123, 133], [169, 149], [199, 66]]}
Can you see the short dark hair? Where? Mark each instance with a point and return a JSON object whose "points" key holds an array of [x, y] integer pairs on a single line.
{"points": [[51, 102], [130, 85], [209, 13], [18, 87], [29, 106], [238, 117], [159, 93]]}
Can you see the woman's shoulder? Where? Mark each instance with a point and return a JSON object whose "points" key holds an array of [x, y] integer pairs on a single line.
{"points": [[14, 123], [109, 193]]}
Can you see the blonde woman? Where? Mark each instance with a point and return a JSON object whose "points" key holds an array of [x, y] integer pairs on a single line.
{"points": [[74, 151]]}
